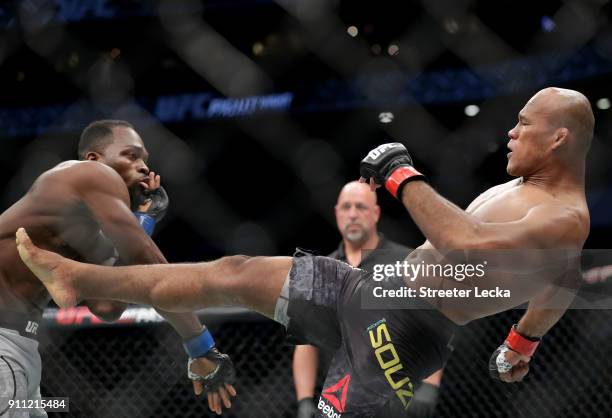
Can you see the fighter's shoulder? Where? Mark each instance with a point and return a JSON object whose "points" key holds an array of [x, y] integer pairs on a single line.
{"points": [[83, 175], [561, 219], [501, 187], [492, 192], [556, 210], [76, 171]]}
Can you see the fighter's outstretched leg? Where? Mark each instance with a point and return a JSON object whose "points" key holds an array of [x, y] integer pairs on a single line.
{"points": [[254, 283]]}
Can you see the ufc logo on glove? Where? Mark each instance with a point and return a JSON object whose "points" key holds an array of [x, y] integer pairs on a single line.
{"points": [[379, 150]]}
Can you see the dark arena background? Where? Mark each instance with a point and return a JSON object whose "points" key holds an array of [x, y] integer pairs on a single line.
{"points": [[255, 113]]}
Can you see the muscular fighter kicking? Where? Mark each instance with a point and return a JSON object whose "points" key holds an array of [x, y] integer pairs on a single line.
{"points": [[81, 209], [379, 352]]}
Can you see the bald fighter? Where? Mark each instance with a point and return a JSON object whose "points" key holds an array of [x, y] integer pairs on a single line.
{"points": [[81, 209], [380, 352]]}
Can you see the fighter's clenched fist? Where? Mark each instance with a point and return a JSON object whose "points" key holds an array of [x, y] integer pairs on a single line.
{"points": [[391, 165]]}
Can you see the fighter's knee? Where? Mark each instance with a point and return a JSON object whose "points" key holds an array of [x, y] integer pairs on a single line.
{"points": [[233, 263], [237, 273]]}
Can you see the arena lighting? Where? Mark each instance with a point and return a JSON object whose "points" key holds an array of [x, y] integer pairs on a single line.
{"points": [[603, 103], [471, 110], [393, 49], [352, 30], [451, 25], [330, 95], [258, 48], [547, 24], [385, 117]]}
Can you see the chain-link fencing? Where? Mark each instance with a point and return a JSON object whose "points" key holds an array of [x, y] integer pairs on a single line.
{"points": [[139, 371]]}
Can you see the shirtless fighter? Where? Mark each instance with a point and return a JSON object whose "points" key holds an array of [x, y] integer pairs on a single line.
{"points": [[379, 352], [81, 209]]}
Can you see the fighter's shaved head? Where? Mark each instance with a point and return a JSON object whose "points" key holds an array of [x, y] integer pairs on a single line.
{"points": [[553, 134], [568, 109]]}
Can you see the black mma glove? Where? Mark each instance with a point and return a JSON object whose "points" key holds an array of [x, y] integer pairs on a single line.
{"points": [[223, 373], [515, 341], [159, 202], [390, 165], [423, 404], [306, 408]]}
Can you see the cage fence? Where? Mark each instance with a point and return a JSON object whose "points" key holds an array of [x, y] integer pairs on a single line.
{"points": [[138, 369]]}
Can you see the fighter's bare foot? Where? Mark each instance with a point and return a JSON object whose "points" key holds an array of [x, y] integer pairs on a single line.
{"points": [[53, 270]]}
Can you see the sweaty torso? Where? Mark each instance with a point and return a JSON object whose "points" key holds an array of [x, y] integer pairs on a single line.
{"points": [[57, 220], [504, 203]]}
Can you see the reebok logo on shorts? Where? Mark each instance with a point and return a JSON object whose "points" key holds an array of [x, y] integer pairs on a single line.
{"points": [[336, 396]]}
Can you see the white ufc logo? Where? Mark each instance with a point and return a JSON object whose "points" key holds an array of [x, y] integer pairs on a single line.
{"points": [[32, 327], [379, 150]]}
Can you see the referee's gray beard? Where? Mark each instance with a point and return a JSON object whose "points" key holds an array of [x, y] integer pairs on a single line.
{"points": [[356, 237]]}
